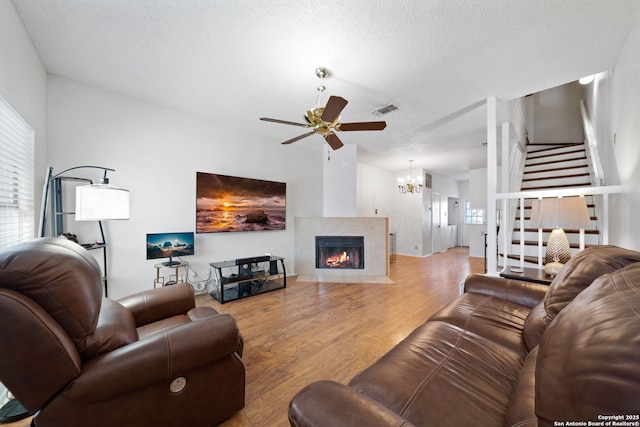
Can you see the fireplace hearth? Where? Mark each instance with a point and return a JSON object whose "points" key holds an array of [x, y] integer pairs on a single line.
{"points": [[340, 252]]}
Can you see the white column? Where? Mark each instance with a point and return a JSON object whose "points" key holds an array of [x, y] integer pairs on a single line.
{"points": [[339, 181], [492, 184], [506, 175]]}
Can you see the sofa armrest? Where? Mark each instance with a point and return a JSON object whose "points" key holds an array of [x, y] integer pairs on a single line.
{"points": [[328, 403], [159, 358], [527, 294], [159, 303]]}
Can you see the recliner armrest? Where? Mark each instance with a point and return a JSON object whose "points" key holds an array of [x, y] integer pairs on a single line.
{"points": [[159, 303], [159, 358], [328, 403], [527, 294]]}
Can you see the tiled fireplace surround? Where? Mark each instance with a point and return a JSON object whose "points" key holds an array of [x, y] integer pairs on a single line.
{"points": [[376, 248]]}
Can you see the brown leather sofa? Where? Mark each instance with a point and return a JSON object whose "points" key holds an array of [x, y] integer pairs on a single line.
{"points": [[506, 353], [74, 358]]}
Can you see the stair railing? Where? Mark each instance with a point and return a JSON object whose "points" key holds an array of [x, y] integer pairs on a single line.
{"points": [[520, 196], [591, 145]]}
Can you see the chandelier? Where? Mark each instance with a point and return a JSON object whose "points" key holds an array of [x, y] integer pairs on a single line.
{"points": [[411, 185]]}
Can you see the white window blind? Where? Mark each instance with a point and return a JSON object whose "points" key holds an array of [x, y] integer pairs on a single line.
{"points": [[16, 177]]}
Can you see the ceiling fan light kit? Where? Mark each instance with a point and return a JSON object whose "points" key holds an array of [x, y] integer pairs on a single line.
{"points": [[326, 120]]}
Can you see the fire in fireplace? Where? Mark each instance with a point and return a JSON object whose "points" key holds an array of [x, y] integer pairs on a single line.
{"points": [[340, 252]]}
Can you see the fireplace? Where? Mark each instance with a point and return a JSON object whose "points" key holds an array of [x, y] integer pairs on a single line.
{"points": [[346, 252]]}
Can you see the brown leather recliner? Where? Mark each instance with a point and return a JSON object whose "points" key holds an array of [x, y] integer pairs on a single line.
{"points": [[74, 358]]}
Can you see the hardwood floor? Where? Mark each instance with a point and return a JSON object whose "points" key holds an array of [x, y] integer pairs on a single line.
{"points": [[313, 331]]}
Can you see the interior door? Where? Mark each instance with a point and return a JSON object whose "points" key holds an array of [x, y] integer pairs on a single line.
{"points": [[436, 222]]}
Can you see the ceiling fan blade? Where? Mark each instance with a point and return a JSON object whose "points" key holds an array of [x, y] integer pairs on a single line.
{"points": [[333, 140], [361, 126], [334, 107], [297, 138], [284, 122]]}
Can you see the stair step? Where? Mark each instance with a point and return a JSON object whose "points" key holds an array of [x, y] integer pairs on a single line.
{"points": [[537, 167], [555, 152], [553, 147], [568, 231], [553, 170], [528, 206], [530, 259], [547, 187], [556, 177], [548, 162], [528, 218], [544, 244]]}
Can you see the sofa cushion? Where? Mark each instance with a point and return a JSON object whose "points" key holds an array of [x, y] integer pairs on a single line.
{"points": [[577, 275], [521, 412], [322, 403], [442, 374], [582, 270], [493, 318], [590, 353], [535, 325]]}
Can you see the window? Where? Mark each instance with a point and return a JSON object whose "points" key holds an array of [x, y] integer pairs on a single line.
{"points": [[472, 216], [16, 177]]}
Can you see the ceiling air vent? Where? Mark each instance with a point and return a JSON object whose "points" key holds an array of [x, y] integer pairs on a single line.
{"points": [[384, 110]]}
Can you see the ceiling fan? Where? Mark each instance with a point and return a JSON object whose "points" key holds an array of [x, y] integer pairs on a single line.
{"points": [[326, 120]]}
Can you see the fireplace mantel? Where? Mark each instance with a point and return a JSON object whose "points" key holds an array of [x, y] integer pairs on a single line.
{"points": [[376, 241]]}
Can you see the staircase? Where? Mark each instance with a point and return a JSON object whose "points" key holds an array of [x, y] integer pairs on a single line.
{"points": [[553, 167]]}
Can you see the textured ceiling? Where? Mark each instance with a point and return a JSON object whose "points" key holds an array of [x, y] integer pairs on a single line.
{"points": [[236, 61]]}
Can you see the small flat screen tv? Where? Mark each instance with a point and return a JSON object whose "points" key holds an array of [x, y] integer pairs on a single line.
{"points": [[169, 245]]}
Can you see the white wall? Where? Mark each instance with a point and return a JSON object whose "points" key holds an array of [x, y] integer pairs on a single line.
{"points": [[156, 153], [477, 200], [447, 187], [614, 104], [427, 221], [626, 126], [406, 211], [554, 116], [463, 230], [23, 83], [411, 214], [374, 188], [339, 178]]}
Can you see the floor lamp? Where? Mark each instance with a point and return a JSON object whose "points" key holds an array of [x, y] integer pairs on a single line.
{"points": [[94, 202], [558, 214]]}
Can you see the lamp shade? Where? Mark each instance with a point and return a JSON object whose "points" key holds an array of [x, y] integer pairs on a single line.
{"points": [[559, 213], [566, 212], [101, 202]]}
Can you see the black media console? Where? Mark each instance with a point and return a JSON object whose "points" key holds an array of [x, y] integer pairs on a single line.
{"points": [[244, 277]]}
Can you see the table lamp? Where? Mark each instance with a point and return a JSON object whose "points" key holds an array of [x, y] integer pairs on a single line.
{"points": [[556, 214]]}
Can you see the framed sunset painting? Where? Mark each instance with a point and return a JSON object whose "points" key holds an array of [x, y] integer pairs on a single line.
{"points": [[228, 203]]}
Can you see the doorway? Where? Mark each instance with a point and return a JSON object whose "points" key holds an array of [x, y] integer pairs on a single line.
{"points": [[453, 221], [436, 222]]}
